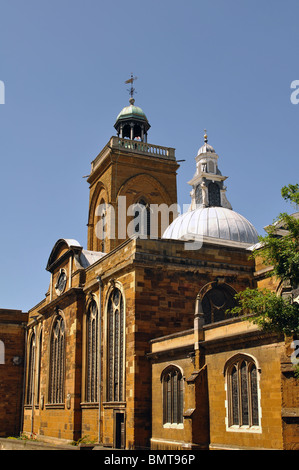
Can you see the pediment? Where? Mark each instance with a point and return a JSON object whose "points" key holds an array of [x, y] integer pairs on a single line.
{"points": [[60, 250]]}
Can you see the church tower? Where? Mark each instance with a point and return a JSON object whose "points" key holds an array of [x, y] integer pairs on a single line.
{"points": [[128, 179]]}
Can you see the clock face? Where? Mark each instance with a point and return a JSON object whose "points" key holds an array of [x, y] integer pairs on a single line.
{"points": [[61, 282]]}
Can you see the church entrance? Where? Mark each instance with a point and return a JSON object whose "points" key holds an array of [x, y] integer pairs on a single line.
{"points": [[119, 430]]}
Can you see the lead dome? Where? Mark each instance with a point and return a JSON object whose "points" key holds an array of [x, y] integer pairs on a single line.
{"points": [[216, 223]]}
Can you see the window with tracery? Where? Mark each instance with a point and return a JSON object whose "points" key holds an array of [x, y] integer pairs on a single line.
{"points": [[57, 361], [116, 353], [216, 301], [39, 365], [173, 396], [242, 393], [92, 353], [30, 370]]}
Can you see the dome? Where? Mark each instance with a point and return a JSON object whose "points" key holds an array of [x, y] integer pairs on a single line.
{"points": [[206, 148], [132, 123], [131, 111], [218, 223]]}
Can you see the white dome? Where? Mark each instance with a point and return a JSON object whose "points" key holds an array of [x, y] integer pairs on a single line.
{"points": [[216, 222]]}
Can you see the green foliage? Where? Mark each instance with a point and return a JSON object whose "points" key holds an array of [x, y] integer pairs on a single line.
{"points": [[291, 193], [279, 248], [282, 250], [83, 440], [269, 311]]}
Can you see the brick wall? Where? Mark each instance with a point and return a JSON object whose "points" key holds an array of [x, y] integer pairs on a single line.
{"points": [[12, 336]]}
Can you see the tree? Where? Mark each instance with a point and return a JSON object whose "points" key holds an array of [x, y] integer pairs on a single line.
{"points": [[279, 248]]}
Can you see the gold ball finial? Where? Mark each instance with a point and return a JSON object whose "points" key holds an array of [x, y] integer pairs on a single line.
{"points": [[206, 136]]}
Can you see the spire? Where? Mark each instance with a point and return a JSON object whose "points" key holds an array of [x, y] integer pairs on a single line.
{"points": [[206, 137]]}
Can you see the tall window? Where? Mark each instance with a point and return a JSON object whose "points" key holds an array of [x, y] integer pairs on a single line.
{"points": [[214, 194], [39, 365], [30, 370], [173, 396], [57, 361], [242, 392], [116, 353], [92, 353], [142, 218]]}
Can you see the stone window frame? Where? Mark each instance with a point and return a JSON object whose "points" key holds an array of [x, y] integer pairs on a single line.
{"points": [[173, 397], [141, 204], [235, 362], [92, 352], [112, 339], [205, 292], [31, 353], [61, 272], [101, 211], [57, 359]]}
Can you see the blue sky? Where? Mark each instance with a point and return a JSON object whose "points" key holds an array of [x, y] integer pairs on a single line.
{"points": [[224, 66]]}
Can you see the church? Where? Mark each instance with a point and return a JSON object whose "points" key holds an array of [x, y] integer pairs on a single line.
{"points": [[132, 347]]}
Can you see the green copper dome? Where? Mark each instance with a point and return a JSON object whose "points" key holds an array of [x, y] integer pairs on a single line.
{"points": [[132, 123], [131, 111]]}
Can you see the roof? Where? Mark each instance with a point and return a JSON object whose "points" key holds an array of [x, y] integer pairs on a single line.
{"points": [[213, 222], [131, 111]]}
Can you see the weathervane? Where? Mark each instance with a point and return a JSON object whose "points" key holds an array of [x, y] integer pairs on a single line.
{"points": [[132, 89]]}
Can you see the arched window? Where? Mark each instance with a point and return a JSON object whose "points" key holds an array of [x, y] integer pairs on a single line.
{"points": [[242, 392], [2, 353], [39, 365], [142, 218], [57, 361], [92, 353], [173, 395], [116, 353], [30, 370], [101, 226], [217, 299]]}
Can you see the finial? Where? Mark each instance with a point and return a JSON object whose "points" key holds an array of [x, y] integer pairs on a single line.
{"points": [[132, 89], [206, 137]]}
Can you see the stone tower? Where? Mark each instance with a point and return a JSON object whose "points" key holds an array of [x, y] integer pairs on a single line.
{"points": [[128, 178]]}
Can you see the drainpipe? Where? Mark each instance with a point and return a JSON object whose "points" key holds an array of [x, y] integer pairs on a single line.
{"points": [[24, 381], [198, 331], [99, 279]]}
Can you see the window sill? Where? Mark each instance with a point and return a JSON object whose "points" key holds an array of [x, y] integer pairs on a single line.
{"points": [[55, 406], [89, 405], [114, 404], [173, 426], [248, 429]]}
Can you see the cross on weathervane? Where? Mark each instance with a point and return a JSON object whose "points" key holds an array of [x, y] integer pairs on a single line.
{"points": [[132, 89]]}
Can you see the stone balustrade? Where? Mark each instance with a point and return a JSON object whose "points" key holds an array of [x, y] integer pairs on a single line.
{"points": [[133, 146]]}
